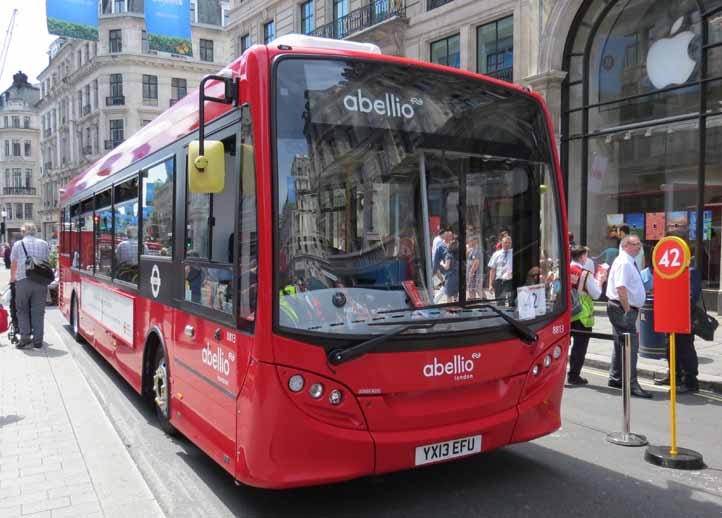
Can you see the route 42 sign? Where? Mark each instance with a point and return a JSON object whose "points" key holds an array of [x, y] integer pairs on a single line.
{"points": [[671, 258]]}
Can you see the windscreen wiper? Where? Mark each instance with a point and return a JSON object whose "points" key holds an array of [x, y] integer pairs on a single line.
{"points": [[339, 356], [525, 333]]}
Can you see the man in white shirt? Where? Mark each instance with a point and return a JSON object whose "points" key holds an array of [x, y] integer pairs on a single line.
{"points": [[500, 270], [626, 295], [623, 232]]}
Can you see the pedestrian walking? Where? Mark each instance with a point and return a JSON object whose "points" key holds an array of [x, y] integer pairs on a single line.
{"points": [[625, 294], [589, 289], [30, 295], [473, 267], [6, 256], [450, 270]]}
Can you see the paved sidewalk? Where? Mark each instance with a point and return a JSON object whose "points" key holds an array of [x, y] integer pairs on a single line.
{"points": [[709, 353], [59, 454]]}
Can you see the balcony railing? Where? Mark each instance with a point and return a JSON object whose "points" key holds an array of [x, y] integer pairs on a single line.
{"points": [[19, 191], [118, 100], [86, 109], [433, 4], [505, 74], [110, 144], [47, 132], [150, 101], [360, 19], [87, 150]]}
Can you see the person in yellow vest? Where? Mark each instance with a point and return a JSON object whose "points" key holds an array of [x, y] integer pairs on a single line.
{"points": [[589, 289], [287, 311]]}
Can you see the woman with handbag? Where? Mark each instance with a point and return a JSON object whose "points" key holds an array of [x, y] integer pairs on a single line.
{"points": [[28, 265], [588, 289]]}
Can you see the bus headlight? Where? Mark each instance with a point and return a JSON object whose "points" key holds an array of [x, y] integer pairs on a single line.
{"points": [[315, 391], [296, 383], [557, 352], [547, 360], [335, 396], [535, 370]]}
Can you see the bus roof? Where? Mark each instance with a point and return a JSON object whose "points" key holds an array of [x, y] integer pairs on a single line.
{"points": [[181, 119]]}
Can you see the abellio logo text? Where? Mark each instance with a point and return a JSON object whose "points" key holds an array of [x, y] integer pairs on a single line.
{"points": [[390, 105], [217, 360], [459, 367]]}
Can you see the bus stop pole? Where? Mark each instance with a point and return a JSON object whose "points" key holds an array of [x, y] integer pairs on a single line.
{"points": [[625, 437], [673, 392]]}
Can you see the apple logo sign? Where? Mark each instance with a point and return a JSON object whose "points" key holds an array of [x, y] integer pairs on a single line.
{"points": [[668, 61]]}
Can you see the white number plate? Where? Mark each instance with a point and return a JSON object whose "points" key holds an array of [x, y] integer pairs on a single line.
{"points": [[448, 450]]}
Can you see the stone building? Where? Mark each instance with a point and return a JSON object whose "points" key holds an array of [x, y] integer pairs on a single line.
{"points": [[634, 90], [19, 156], [94, 95]]}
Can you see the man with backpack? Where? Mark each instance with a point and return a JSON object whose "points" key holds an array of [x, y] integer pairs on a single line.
{"points": [[30, 293]]}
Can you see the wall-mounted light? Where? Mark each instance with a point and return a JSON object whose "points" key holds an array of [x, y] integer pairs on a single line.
{"points": [[608, 139], [648, 132], [628, 135]]}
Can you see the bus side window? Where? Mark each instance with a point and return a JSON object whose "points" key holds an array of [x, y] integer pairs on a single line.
{"points": [[75, 236], [157, 199], [126, 231], [103, 233], [86, 236], [224, 206], [248, 242]]}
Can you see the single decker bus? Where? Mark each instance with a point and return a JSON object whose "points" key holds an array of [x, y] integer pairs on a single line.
{"points": [[328, 263]]}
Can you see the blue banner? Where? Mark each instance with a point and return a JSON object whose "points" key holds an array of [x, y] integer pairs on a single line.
{"points": [[73, 18], [168, 24]]}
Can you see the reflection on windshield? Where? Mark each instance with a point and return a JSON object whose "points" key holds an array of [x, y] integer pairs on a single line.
{"points": [[402, 189]]}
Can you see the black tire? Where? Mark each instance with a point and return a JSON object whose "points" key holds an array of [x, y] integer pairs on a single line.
{"points": [[161, 391], [74, 320]]}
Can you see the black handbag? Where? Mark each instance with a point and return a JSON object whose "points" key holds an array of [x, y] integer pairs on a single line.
{"points": [[37, 270], [703, 325]]}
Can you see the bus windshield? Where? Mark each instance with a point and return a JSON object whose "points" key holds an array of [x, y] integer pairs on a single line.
{"points": [[404, 193]]}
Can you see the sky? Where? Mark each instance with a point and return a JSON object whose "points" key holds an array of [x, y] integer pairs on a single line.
{"points": [[30, 40]]}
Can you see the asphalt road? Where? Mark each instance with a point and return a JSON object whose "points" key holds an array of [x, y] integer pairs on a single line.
{"points": [[573, 472]]}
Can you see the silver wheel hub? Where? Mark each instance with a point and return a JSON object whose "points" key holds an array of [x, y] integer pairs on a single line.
{"points": [[160, 387]]}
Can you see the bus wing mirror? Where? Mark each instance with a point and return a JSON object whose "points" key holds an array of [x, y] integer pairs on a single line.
{"points": [[207, 172]]}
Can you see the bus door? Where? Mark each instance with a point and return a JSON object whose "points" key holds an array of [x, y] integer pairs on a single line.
{"points": [[211, 333]]}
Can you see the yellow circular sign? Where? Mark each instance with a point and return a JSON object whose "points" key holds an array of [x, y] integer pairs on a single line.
{"points": [[671, 257]]}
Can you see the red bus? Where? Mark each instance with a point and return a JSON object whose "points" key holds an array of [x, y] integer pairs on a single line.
{"points": [[299, 264]]}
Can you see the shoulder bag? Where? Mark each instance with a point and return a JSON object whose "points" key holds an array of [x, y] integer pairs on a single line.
{"points": [[37, 270], [703, 324]]}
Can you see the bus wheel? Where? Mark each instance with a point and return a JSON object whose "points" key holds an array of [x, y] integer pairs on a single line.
{"points": [[161, 391], [74, 321]]}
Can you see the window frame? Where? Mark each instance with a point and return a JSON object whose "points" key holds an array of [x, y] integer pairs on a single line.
{"points": [[498, 72], [307, 17], [445, 41], [115, 41], [206, 50], [269, 35], [150, 87]]}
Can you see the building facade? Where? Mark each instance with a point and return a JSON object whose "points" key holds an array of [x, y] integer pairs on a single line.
{"points": [[634, 89], [19, 156], [96, 94]]}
